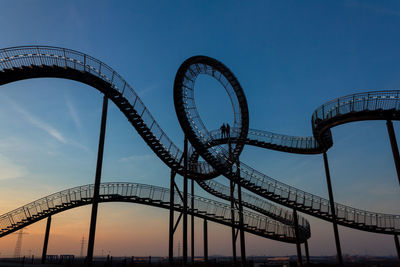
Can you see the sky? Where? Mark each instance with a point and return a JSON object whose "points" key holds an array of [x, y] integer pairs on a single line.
{"points": [[289, 56]]}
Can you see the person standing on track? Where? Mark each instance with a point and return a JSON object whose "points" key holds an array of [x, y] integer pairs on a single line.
{"points": [[228, 130], [223, 130]]}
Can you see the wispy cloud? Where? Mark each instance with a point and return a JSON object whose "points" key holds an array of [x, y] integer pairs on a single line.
{"points": [[49, 129], [35, 121], [74, 114], [10, 170]]}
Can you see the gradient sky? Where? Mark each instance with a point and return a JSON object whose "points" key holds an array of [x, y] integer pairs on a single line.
{"points": [[289, 56]]}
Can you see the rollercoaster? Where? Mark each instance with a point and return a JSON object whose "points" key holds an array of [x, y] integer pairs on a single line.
{"points": [[221, 154]]}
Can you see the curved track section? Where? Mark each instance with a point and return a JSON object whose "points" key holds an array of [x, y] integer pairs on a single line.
{"points": [[27, 62], [274, 141], [343, 110], [189, 118], [377, 105], [21, 63], [143, 194], [257, 204]]}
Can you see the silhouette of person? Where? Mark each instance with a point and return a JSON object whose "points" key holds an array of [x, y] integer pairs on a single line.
{"points": [[228, 130], [223, 130]]}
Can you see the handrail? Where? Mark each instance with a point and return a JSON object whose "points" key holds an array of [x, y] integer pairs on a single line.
{"points": [[23, 59], [118, 191]]}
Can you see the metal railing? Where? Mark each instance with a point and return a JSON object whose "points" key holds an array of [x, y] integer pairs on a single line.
{"points": [[307, 143], [370, 101], [261, 204], [219, 211], [20, 57], [27, 56]]}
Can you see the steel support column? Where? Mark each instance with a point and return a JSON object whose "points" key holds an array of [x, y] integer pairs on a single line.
{"points": [[297, 233], [171, 218], [192, 221], [205, 234], [242, 238], [307, 253], [185, 203], [396, 241], [232, 197], [395, 149], [46, 240], [96, 190], [332, 206]]}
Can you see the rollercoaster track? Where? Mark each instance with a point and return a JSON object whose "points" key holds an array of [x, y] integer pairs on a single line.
{"points": [[367, 106], [148, 195], [254, 203], [21, 63], [27, 62], [273, 141]]}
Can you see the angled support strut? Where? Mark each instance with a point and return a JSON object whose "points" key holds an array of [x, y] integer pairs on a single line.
{"points": [[46, 240], [332, 206], [97, 181], [395, 149]]}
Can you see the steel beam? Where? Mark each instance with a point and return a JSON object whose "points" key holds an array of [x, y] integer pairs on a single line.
{"points": [[46, 240], [171, 218], [185, 203], [298, 244], [332, 206], [205, 234], [95, 201], [396, 241], [192, 221], [307, 253], [395, 149]]}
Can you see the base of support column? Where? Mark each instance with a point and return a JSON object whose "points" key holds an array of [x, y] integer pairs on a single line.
{"points": [[205, 234], [46, 240], [307, 253], [396, 241]]}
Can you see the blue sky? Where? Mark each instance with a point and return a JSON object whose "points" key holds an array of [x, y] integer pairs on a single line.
{"points": [[289, 56]]}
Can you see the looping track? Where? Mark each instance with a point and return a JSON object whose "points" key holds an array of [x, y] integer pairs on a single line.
{"points": [[21, 63]]}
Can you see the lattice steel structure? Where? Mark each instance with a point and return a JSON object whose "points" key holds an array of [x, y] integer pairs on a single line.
{"points": [[20, 63], [148, 195]]}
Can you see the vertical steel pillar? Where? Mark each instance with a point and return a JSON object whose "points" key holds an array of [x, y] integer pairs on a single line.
{"points": [[232, 197], [307, 252], [232, 187], [185, 202], [97, 181], [171, 218], [395, 149], [205, 234], [242, 240], [396, 241], [46, 240], [332, 205], [192, 221], [296, 230]]}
